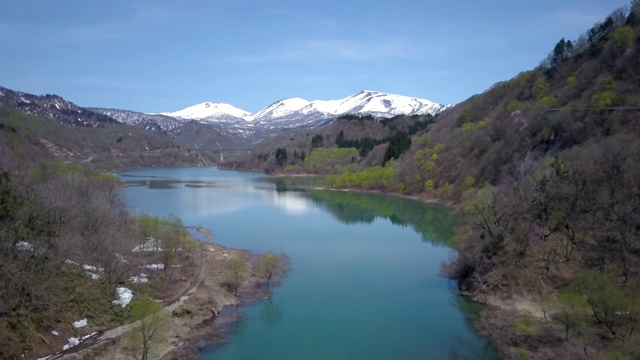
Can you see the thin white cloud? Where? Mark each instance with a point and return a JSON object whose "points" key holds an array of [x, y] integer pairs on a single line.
{"points": [[328, 79], [109, 29], [119, 83], [331, 49], [141, 16]]}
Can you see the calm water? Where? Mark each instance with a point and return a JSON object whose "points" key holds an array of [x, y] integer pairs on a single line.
{"points": [[364, 282]]}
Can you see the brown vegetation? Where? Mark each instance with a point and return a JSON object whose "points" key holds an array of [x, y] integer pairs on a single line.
{"points": [[67, 242], [546, 167]]}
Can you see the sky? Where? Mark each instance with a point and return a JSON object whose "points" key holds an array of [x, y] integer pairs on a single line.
{"points": [[160, 56]]}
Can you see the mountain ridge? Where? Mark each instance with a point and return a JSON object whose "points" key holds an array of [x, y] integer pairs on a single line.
{"points": [[225, 122], [366, 102], [278, 117]]}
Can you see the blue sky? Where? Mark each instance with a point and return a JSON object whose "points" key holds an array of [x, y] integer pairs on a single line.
{"points": [[155, 56]]}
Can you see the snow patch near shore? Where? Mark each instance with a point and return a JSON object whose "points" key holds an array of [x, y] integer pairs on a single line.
{"points": [[92, 268], [23, 245], [155, 266], [152, 245], [88, 336], [80, 323], [141, 279], [72, 341], [93, 276], [124, 296]]}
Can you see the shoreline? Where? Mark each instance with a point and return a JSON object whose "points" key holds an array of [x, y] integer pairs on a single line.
{"points": [[212, 310], [422, 199], [206, 329], [197, 319], [496, 310]]}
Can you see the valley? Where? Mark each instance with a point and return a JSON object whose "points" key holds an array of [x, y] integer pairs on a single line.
{"points": [[539, 172]]}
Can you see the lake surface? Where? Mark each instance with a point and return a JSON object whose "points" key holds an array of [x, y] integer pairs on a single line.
{"points": [[364, 282]]}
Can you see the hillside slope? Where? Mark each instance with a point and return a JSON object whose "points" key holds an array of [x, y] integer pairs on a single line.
{"points": [[546, 166], [366, 137], [26, 138]]}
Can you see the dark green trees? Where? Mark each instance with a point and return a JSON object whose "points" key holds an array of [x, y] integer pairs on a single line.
{"points": [[316, 140], [398, 144], [281, 156], [562, 51]]}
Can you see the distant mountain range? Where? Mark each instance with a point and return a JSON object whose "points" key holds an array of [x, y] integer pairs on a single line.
{"points": [[297, 112], [53, 107], [229, 125]]}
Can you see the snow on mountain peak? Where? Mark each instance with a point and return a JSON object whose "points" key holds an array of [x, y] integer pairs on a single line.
{"points": [[279, 109], [300, 111], [208, 110]]}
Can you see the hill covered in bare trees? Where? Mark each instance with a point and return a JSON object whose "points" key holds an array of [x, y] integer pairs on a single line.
{"points": [[545, 166]]}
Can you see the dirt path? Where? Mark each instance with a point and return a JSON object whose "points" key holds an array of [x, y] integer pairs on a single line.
{"points": [[88, 346], [519, 305], [200, 320]]}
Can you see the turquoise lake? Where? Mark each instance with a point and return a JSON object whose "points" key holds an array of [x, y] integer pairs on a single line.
{"points": [[364, 282]]}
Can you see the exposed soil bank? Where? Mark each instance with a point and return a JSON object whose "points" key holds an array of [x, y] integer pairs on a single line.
{"points": [[199, 320]]}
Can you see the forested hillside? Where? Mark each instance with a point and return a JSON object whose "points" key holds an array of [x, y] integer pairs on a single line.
{"points": [[547, 165], [351, 143], [547, 168], [68, 245], [67, 239], [29, 138]]}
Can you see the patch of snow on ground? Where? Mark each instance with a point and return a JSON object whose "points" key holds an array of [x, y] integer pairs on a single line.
{"points": [[93, 276], [89, 267], [155, 266], [54, 333], [139, 279], [23, 245], [124, 296], [88, 336], [80, 323], [151, 245], [73, 341], [71, 262]]}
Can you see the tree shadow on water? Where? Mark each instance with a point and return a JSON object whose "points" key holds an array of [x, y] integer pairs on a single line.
{"points": [[270, 313]]}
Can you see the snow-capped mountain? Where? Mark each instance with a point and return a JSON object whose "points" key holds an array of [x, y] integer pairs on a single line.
{"points": [[208, 111], [296, 112], [302, 112], [206, 123], [191, 133], [380, 104], [53, 107], [149, 122]]}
